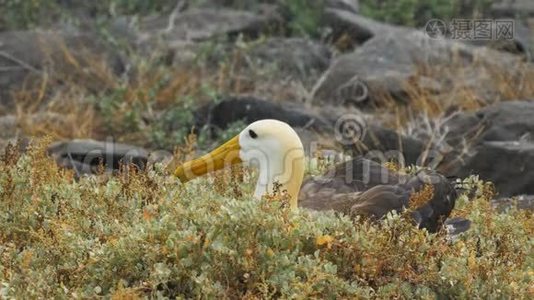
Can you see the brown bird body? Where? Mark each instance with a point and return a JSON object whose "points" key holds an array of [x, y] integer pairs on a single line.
{"points": [[366, 188]]}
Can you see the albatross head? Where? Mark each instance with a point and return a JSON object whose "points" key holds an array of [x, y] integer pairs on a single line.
{"points": [[270, 145]]}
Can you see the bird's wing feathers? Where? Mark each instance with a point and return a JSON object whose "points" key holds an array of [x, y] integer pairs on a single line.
{"points": [[372, 191], [379, 200]]}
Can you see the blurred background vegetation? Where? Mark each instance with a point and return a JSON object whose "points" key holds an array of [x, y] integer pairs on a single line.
{"points": [[305, 15]]}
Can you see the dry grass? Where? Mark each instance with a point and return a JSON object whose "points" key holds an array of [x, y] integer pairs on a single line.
{"points": [[78, 95], [420, 198], [68, 102], [455, 92], [68, 114], [428, 113]]}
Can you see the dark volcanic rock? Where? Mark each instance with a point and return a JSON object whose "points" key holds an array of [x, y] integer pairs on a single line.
{"points": [[524, 39], [456, 226], [505, 121], [521, 12], [388, 145], [382, 66], [249, 109], [522, 42], [508, 121], [501, 147], [509, 165], [86, 156]]}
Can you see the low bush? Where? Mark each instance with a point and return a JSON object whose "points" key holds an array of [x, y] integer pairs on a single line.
{"points": [[144, 234]]}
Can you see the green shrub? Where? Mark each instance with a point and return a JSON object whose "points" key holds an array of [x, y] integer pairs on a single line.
{"points": [[25, 13], [146, 235], [21, 14], [172, 127], [419, 12], [124, 114], [304, 17]]}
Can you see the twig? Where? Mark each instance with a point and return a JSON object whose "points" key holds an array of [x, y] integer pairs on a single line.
{"points": [[20, 62], [180, 6], [73, 164]]}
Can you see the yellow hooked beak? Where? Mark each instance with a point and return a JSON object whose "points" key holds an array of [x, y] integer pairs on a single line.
{"points": [[225, 155]]}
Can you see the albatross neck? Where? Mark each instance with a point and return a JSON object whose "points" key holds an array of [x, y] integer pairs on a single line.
{"points": [[285, 171]]}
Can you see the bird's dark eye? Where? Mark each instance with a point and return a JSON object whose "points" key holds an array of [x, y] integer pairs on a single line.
{"points": [[252, 134]]}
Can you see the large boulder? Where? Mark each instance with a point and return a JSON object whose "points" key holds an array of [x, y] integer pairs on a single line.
{"points": [[509, 165], [496, 143], [201, 24], [250, 109], [386, 144], [520, 43], [524, 38], [89, 156], [389, 63], [503, 121], [521, 14]]}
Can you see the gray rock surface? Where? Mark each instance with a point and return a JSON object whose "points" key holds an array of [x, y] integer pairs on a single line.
{"points": [[501, 146], [200, 24], [509, 165], [348, 5], [388, 63], [504, 121]]}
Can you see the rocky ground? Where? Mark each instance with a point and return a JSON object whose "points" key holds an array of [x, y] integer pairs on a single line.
{"points": [[140, 83]]}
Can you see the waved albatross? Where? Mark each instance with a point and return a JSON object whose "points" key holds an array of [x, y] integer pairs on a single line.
{"points": [[356, 187]]}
